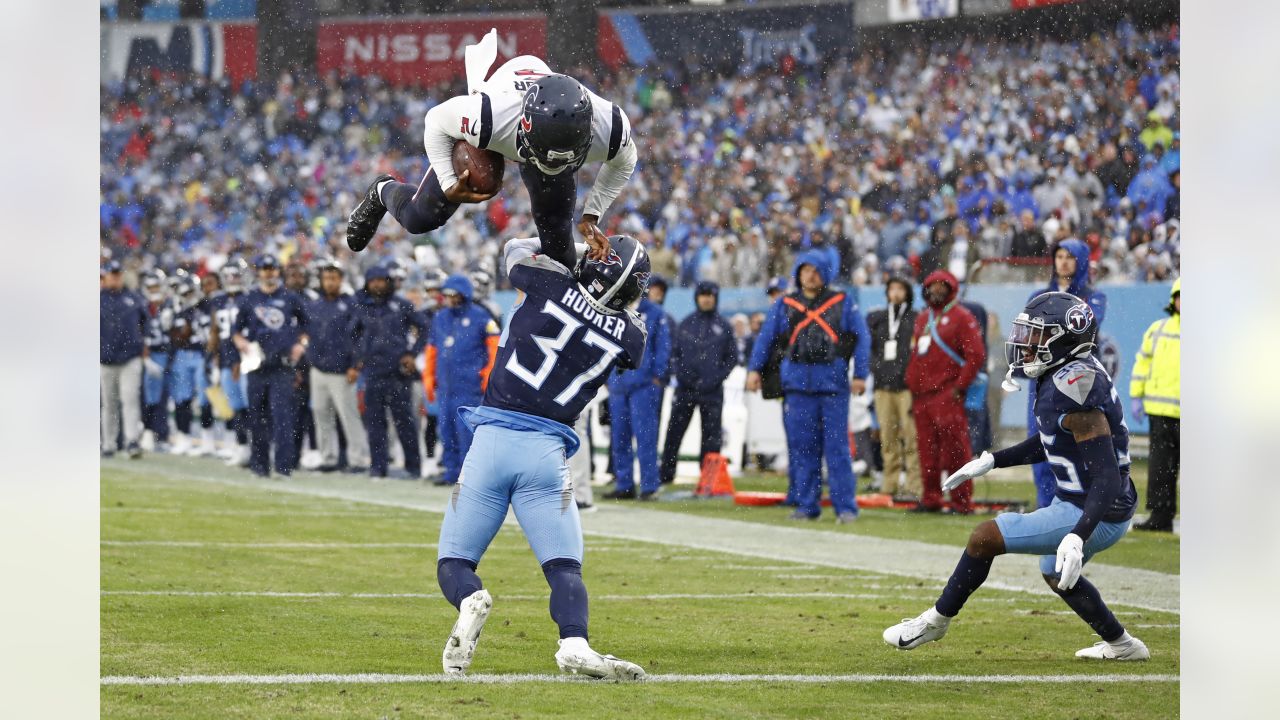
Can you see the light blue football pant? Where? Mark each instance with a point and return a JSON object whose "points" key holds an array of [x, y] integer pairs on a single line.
{"points": [[523, 469], [186, 377], [153, 385], [237, 391], [1040, 532]]}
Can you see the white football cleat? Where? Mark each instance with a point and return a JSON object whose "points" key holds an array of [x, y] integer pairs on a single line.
{"points": [[239, 456], [461, 644], [1135, 649], [576, 657], [181, 444], [911, 633]]}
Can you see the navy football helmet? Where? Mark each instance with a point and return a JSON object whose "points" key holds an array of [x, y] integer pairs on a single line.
{"points": [[554, 132], [154, 287], [1053, 329], [186, 291], [610, 285], [233, 274]]}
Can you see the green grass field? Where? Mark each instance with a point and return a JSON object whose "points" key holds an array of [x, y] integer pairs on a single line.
{"points": [[208, 572]]}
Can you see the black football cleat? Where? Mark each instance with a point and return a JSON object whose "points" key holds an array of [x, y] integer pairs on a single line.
{"points": [[363, 221], [620, 495]]}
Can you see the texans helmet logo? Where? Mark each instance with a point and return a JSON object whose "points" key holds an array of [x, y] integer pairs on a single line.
{"points": [[526, 124], [1079, 318]]}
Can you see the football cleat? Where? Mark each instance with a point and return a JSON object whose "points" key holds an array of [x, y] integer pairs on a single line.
{"points": [[363, 221], [461, 645], [577, 658], [1135, 649], [911, 633]]}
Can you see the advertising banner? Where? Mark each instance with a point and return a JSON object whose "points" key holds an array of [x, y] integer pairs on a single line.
{"points": [[912, 10], [421, 50], [1028, 4], [215, 50], [727, 38]]}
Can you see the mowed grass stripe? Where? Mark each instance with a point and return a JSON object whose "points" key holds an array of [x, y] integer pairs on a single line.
{"points": [[492, 679]]}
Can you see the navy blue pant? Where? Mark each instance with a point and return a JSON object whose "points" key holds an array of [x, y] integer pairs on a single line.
{"points": [[272, 418], [455, 435], [818, 427], [551, 197], [683, 402], [634, 414], [383, 393]]}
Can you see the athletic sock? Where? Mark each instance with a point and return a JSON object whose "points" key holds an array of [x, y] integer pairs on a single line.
{"points": [[968, 576], [568, 597], [381, 185], [182, 417], [458, 579], [1085, 599]]}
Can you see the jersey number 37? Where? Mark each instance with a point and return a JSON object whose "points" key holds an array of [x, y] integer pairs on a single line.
{"points": [[551, 348]]}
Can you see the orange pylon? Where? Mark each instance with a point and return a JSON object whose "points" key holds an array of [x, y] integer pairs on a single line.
{"points": [[715, 480]]}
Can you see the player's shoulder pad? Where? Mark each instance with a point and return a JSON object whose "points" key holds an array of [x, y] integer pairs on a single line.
{"points": [[1075, 380]]}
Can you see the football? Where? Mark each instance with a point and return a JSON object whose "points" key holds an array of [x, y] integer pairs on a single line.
{"points": [[486, 167]]}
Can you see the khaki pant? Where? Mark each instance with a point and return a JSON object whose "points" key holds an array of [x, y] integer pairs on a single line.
{"points": [[121, 395], [333, 399], [580, 463], [898, 441]]}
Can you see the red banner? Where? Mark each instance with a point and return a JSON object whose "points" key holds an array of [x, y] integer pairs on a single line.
{"points": [[422, 50], [1028, 4]]}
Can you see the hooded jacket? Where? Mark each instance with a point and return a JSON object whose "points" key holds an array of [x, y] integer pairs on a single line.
{"points": [[831, 376], [704, 351], [462, 345], [655, 364], [892, 374], [1080, 281], [930, 371], [382, 326]]}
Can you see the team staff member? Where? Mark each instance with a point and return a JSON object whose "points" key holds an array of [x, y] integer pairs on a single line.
{"points": [[702, 356], [635, 404], [891, 330], [463, 344], [946, 355], [334, 371], [122, 318], [384, 321], [823, 330], [274, 318], [1156, 391]]}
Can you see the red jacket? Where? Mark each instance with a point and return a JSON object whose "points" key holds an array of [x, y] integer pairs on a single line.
{"points": [[935, 372]]}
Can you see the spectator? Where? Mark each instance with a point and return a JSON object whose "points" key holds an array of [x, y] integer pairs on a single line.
{"points": [[1117, 172], [1173, 203], [122, 319], [1155, 391], [635, 404], [893, 239], [1070, 275], [891, 330], [334, 371], [1150, 188], [703, 353], [1028, 241], [946, 355], [822, 330], [384, 322], [275, 320], [460, 354], [1155, 132]]}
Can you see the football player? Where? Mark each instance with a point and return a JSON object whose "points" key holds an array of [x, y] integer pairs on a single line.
{"points": [[225, 307], [548, 123], [155, 376], [190, 334], [1084, 439], [568, 330]]}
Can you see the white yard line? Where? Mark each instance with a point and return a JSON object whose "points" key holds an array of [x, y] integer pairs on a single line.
{"points": [[264, 545], [517, 597], [483, 679], [1135, 588]]}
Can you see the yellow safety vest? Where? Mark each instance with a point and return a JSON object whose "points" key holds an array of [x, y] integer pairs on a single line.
{"points": [[1157, 375]]}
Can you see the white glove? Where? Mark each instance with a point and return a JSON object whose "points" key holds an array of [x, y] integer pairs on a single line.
{"points": [[151, 367], [976, 467], [1070, 561]]}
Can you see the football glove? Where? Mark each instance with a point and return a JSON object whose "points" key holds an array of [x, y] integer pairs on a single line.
{"points": [[1070, 561], [152, 368], [976, 467]]}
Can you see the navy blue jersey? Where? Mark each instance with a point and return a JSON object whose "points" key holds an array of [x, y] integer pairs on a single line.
{"points": [[557, 350], [1078, 386], [159, 323], [274, 320], [225, 308], [198, 321]]}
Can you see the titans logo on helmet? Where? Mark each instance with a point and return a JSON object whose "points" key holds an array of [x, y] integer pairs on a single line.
{"points": [[1079, 317]]}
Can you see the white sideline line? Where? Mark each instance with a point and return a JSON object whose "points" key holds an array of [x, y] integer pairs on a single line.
{"points": [[482, 679], [653, 596], [263, 545], [253, 513]]}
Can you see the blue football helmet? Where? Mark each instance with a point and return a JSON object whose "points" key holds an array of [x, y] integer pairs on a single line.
{"points": [[1053, 329], [610, 285], [154, 287], [554, 131], [233, 275]]}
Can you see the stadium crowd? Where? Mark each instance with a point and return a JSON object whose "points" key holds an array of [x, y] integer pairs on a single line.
{"points": [[909, 156]]}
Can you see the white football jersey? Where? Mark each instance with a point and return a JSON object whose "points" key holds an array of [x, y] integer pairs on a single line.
{"points": [[487, 118]]}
